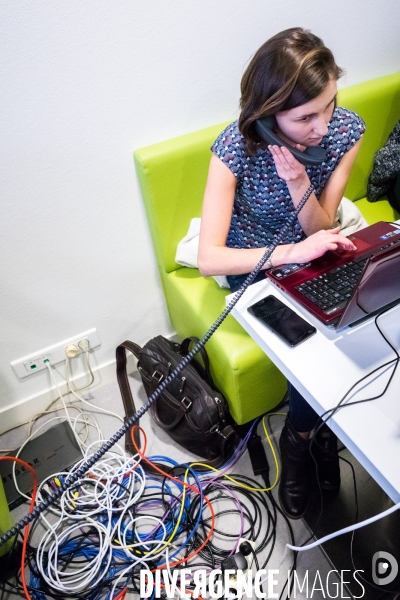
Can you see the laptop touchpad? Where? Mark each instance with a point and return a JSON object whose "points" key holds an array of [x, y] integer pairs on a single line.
{"points": [[361, 245]]}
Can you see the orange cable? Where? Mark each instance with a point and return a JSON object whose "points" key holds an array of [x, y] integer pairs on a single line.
{"points": [[122, 594], [181, 483]]}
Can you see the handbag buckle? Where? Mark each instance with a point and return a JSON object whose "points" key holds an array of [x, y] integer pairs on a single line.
{"points": [[186, 403], [215, 429], [158, 376]]}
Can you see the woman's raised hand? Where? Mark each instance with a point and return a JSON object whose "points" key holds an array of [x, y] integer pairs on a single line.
{"points": [[318, 243], [287, 166]]}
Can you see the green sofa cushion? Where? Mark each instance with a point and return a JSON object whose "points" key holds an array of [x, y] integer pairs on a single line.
{"points": [[377, 211], [173, 176]]}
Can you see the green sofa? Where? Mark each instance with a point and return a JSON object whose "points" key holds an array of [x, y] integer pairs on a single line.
{"points": [[172, 176]]}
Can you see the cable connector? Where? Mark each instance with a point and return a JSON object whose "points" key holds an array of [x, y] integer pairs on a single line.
{"points": [[258, 458], [71, 350], [235, 563], [245, 548], [84, 345]]}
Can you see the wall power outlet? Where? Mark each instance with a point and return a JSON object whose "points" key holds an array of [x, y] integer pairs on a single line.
{"points": [[23, 367]]}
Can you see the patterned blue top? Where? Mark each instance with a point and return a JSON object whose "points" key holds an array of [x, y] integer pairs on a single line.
{"points": [[262, 199]]}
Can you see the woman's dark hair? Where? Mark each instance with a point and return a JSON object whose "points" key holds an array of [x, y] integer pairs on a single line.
{"points": [[290, 69]]}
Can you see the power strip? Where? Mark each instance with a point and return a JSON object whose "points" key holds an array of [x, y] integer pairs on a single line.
{"points": [[53, 451], [23, 367]]}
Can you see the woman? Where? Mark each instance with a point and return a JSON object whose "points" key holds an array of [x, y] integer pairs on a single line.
{"points": [[252, 189]]}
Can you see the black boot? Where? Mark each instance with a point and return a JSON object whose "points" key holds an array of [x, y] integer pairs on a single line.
{"points": [[294, 485], [326, 454]]}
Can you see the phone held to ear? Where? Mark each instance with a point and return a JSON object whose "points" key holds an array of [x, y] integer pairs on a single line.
{"points": [[312, 156], [282, 320]]}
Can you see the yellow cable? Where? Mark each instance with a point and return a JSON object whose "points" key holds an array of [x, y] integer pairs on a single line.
{"points": [[246, 487], [273, 454], [167, 542], [242, 485]]}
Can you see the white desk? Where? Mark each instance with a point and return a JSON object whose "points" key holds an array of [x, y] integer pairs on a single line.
{"points": [[325, 366]]}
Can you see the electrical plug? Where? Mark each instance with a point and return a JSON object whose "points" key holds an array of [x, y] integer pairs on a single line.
{"points": [[71, 350], [240, 561], [84, 345], [245, 548], [235, 562]]}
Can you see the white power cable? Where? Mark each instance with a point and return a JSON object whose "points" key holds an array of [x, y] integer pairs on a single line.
{"points": [[74, 390], [113, 486], [85, 349], [64, 405], [48, 412], [72, 424], [99, 507], [381, 515]]}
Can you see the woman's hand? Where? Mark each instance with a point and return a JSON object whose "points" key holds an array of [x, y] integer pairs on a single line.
{"points": [[317, 244], [287, 166]]}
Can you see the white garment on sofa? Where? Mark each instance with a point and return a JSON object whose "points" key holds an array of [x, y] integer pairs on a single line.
{"points": [[187, 250], [348, 217]]}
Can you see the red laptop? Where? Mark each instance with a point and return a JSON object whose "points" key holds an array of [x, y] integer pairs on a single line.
{"points": [[343, 288]]}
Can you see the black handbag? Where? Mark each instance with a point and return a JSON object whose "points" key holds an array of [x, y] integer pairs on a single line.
{"points": [[191, 409]]}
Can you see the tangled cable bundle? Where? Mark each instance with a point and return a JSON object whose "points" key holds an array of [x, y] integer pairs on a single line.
{"points": [[107, 519], [117, 520], [94, 510]]}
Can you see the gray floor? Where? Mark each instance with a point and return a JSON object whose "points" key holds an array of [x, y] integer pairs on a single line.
{"points": [[159, 443]]}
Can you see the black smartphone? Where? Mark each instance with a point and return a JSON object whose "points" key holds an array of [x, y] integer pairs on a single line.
{"points": [[313, 155], [282, 320]]}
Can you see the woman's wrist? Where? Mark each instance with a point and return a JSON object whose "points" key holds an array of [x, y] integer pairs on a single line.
{"points": [[268, 263], [279, 256], [300, 184]]}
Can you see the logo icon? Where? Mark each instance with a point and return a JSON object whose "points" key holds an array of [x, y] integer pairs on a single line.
{"points": [[384, 568]]}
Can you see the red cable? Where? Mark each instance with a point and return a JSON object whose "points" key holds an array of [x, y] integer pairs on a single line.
{"points": [[122, 594], [141, 454], [31, 507]]}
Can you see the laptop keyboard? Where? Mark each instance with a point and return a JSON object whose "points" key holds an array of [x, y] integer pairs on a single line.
{"points": [[332, 290]]}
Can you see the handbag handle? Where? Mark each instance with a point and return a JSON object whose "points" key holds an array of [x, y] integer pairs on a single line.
{"points": [[125, 389], [179, 416], [184, 350], [129, 405]]}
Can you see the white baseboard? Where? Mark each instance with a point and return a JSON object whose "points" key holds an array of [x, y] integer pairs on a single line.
{"points": [[22, 411]]}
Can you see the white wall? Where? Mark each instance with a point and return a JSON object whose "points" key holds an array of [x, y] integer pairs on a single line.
{"points": [[83, 85]]}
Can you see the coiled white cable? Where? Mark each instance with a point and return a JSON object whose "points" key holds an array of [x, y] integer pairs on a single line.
{"points": [[112, 487]]}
